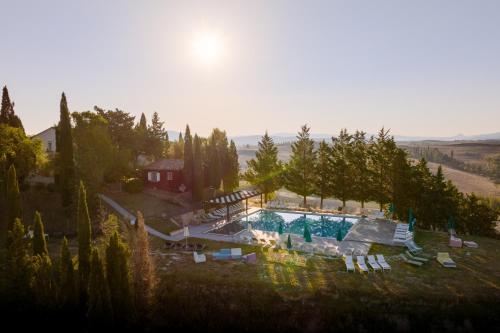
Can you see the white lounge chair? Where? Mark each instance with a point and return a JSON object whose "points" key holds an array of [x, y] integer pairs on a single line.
{"points": [[381, 261], [360, 260], [373, 263], [414, 248], [198, 258], [349, 264]]}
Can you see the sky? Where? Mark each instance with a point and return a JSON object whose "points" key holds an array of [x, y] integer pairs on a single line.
{"points": [[420, 68]]}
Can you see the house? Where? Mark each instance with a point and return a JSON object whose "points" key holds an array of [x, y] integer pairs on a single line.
{"points": [[48, 139], [165, 174]]}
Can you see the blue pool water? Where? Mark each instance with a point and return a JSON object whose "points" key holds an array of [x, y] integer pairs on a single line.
{"points": [[294, 223]]}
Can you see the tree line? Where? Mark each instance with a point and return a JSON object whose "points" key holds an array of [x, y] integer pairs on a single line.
{"points": [[105, 285], [353, 167]]}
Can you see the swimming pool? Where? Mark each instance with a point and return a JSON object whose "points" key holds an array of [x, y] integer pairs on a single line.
{"points": [[320, 225]]}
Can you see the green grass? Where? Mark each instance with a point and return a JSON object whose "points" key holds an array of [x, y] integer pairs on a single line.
{"points": [[162, 225]]}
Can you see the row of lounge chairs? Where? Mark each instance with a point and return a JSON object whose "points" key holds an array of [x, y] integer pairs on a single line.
{"points": [[457, 242], [412, 259], [379, 264]]}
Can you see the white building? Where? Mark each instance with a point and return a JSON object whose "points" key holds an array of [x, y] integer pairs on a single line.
{"points": [[48, 139]]}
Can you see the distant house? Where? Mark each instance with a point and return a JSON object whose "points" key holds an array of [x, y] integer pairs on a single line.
{"points": [[165, 174], [48, 139]]}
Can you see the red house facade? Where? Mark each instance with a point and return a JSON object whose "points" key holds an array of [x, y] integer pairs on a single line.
{"points": [[166, 175]]}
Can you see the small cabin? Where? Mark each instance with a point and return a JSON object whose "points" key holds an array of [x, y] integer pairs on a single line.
{"points": [[165, 174]]}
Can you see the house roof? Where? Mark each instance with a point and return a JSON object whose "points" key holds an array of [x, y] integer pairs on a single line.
{"points": [[166, 164], [45, 130]]}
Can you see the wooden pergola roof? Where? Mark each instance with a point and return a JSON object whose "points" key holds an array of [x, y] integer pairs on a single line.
{"points": [[234, 197]]}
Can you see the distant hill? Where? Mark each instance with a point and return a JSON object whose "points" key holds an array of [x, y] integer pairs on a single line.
{"points": [[252, 140]]}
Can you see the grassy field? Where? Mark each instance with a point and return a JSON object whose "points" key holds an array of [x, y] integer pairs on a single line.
{"points": [[322, 285]]}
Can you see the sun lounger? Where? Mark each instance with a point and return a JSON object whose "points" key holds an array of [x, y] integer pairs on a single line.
{"points": [[455, 242], [250, 258], [360, 260], [409, 261], [198, 258], [373, 263], [381, 261], [236, 253], [349, 264], [223, 254], [471, 244], [412, 257], [412, 247], [444, 259]]}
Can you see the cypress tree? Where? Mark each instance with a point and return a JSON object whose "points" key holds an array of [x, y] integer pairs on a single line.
{"points": [[44, 284], [18, 263], [84, 238], [143, 273], [231, 176], [39, 243], [13, 197], [65, 161], [198, 174], [300, 173], [214, 164], [381, 149], [3, 200], [188, 159], [143, 124], [7, 114], [100, 313], [67, 283], [342, 187], [361, 175], [118, 276]]}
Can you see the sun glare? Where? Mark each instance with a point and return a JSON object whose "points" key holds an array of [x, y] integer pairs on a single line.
{"points": [[207, 48]]}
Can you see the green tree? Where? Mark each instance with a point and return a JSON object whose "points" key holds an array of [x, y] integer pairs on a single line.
{"points": [[143, 270], [231, 178], [361, 173], [323, 172], [13, 196], [7, 114], [84, 240], [299, 172], [156, 137], [3, 200], [342, 186], [188, 158], [44, 285], [18, 264], [118, 276], [198, 174], [65, 163], [477, 217], [39, 243], [178, 147], [67, 283], [265, 170], [381, 152], [100, 312]]}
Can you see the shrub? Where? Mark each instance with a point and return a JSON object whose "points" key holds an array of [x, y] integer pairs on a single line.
{"points": [[132, 185]]}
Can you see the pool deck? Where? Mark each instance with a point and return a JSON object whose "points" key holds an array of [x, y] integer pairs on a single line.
{"points": [[358, 240]]}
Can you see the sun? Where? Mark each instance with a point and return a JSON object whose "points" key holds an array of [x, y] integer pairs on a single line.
{"points": [[207, 48]]}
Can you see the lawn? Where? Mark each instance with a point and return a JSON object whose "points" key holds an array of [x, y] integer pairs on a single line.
{"points": [[322, 285]]}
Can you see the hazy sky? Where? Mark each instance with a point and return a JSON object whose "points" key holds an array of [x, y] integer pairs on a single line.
{"points": [[417, 67]]}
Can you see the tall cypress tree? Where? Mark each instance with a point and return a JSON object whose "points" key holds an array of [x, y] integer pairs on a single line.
{"points": [[18, 263], [265, 170], [361, 173], [7, 114], [188, 158], [84, 239], [39, 243], [67, 284], [44, 285], [198, 173], [342, 187], [232, 167], [118, 276], [300, 173], [100, 312], [65, 161], [13, 196], [381, 151]]}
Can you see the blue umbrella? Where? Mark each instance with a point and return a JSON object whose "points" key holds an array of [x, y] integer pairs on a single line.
{"points": [[289, 242], [307, 234], [410, 215], [412, 224], [339, 235], [280, 228], [451, 223]]}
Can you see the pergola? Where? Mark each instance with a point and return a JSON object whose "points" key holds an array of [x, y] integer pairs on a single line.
{"points": [[235, 197]]}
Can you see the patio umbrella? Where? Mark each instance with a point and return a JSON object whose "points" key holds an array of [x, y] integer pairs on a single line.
{"points": [[410, 215], [391, 208], [249, 226], [186, 234], [289, 243], [339, 235], [280, 228], [307, 234], [412, 224], [451, 223]]}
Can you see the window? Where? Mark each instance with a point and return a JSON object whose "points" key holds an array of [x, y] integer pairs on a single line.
{"points": [[170, 176], [154, 176], [49, 148]]}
